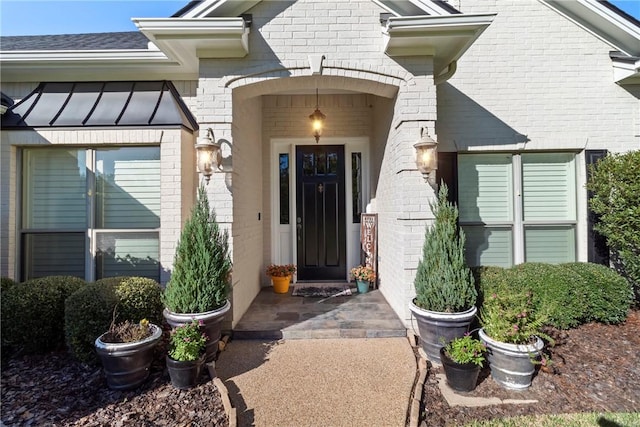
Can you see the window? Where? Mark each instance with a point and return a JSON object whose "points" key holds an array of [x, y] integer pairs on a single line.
{"points": [[90, 213], [283, 170], [518, 207], [356, 187]]}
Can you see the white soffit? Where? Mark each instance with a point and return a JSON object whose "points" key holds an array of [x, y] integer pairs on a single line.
{"points": [[188, 39], [446, 38], [626, 70], [601, 21], [210, 8]]}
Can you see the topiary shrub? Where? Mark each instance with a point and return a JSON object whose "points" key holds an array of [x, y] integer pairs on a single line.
{"points": [[608, 295], [558, 292], [33, 313], [90, 311], [443, 281], [202, 267]]}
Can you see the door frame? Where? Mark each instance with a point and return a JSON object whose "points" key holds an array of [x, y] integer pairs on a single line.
{"points": [[283, 237]]}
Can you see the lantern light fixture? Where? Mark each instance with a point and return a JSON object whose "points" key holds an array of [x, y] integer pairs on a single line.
{"points": [[209, 155], [317, 120], [427, 157]]}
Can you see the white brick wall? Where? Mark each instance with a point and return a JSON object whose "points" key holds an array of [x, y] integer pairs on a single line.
{"points": [[534, 75]]}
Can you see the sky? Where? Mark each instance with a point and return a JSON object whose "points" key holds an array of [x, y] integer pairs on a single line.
{"points": [[38, 17]]}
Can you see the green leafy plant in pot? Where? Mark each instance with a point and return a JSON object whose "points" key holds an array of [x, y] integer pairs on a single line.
{"points": [[444, 305], [187, 344], [462, 359], [512, 332], [200, 280]]}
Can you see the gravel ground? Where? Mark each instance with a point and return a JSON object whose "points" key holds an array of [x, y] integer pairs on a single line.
{"points": [[597, 368]]}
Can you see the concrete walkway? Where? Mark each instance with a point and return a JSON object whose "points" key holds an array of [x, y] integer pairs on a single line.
{"points": [[322, 382]]}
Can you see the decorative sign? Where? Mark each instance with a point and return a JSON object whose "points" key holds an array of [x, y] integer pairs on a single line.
{"points": [[369, 241]]}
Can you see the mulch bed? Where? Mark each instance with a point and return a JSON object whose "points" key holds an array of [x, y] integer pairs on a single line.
{"points": [[597, 369], [56, 390]]}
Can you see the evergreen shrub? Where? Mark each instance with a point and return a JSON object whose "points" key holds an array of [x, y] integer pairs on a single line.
{"points": [[443, 281], [90, 311], [557, 291], [615, 184], [6, 283], [33, 313], [608, 295], [202, 266]]}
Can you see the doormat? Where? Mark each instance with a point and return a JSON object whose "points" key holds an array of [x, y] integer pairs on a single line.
{"points": [[320, 291]]}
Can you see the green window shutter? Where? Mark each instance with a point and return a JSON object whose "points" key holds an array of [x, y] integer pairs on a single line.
{"points": [[128, 184], [548, 187], [553, 244], [485, 188], [489, 246], [54, 189]]}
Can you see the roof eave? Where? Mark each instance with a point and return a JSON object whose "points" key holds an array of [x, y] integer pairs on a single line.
{"points": [[603, 22], [189, 39], [626, 72], [63, 65], [446, 38]]}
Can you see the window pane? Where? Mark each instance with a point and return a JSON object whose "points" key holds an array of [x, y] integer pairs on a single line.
{"points": [[284, 188], [128, 187], [53, 254], [548, 187], [356, 183], [128, 254], [554, 244], [485, 188], [54, 189], [489, 246]]}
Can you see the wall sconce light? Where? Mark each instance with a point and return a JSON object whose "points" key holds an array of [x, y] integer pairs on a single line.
{"points": [[427, 157], [317, 120], [209, 155]]}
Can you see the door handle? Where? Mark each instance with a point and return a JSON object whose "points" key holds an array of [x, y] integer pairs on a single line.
{"points": [[298, 227]]}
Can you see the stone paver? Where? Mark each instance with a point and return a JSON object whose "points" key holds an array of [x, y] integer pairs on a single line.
{"points": [[328, 382]]}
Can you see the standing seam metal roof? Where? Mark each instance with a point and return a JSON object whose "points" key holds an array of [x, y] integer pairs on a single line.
{"points": [[101, 104]]}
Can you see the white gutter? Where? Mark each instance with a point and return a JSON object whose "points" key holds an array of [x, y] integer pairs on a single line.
{"points": [[625, 71]]}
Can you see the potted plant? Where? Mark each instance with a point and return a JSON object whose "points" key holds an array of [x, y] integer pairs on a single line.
{"points": [[187, 344], [462, 359], [199, 284], [126, 352], [444, 305], [363, 276], [512, 332], [280, 276]]}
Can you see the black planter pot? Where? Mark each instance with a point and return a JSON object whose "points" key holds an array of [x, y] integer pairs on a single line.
{"points": [[126, 365], [184, 375], [460, 376], [436, 328]]}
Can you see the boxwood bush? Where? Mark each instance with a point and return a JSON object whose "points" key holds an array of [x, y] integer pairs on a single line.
{"points": [[33, 313], [608, 295], [90, 311], [6, 283], [569, 294]]}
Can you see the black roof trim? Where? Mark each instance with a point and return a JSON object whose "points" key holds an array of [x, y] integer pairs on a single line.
{"points": [[186, 8], [620, 12], [101, 104]]}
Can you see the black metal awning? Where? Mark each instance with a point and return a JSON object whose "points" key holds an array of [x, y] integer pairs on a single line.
{"points": [[101, 104]]}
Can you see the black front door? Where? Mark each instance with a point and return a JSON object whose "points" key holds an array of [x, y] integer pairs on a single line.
{"points": [[320, 212]]}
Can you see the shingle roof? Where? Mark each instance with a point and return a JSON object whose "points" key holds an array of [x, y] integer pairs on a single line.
{"points": [[92, 41]]}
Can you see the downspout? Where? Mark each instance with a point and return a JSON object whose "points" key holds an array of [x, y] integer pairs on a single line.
{"points": [[443, 77]]}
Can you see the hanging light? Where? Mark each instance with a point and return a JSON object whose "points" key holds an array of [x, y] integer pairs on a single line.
{"points": [[317, 120], [427, 157], [208, 155]]}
